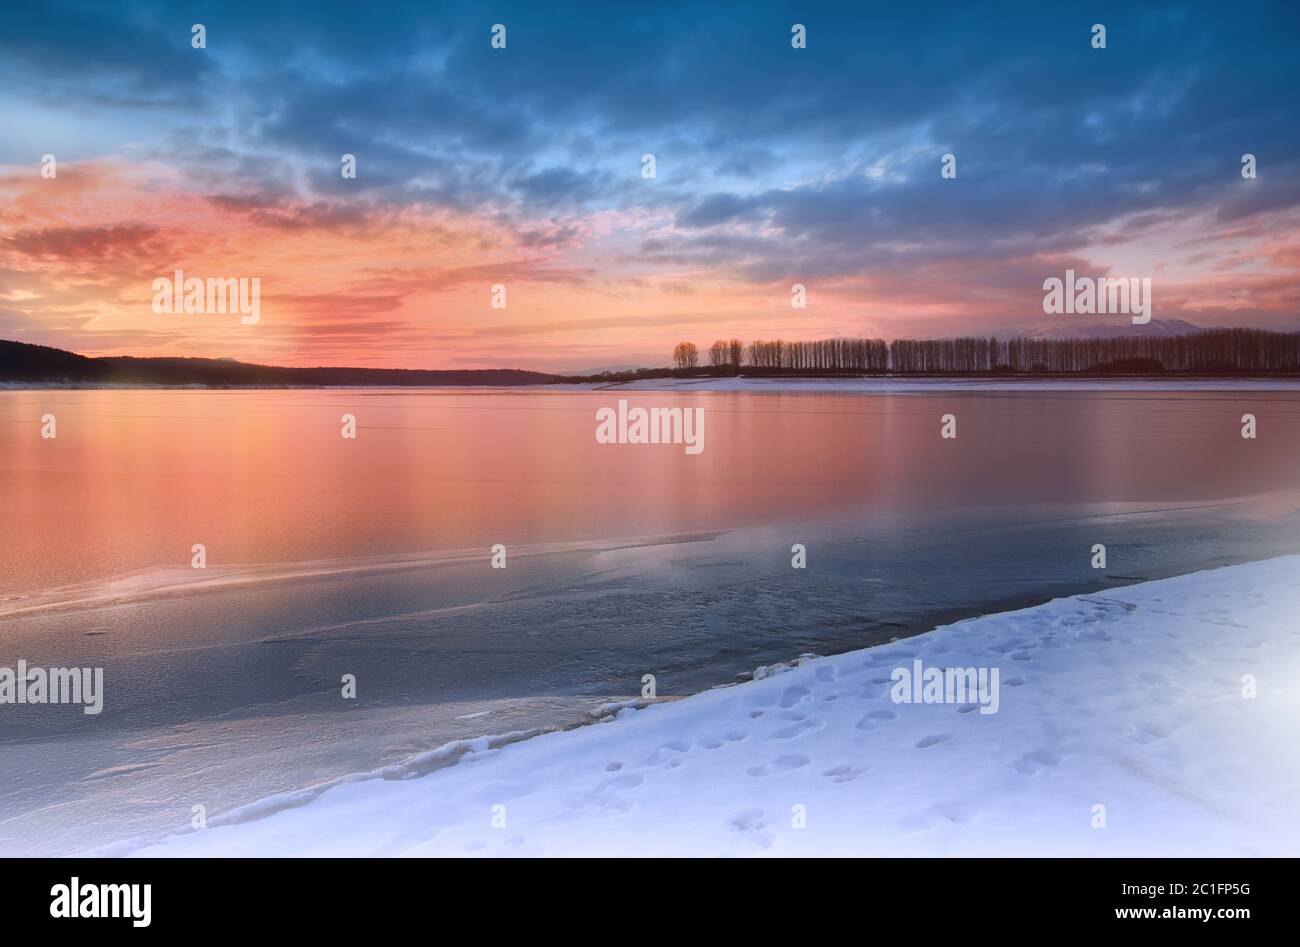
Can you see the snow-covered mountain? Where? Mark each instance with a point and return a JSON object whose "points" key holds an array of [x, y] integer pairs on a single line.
{"points": [[1099, 330]]}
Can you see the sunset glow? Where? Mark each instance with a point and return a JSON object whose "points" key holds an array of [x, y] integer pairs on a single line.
{"points": [[523, 167]]}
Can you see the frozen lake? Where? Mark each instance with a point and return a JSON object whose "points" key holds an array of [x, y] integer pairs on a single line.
{"points": [[370, 557]]}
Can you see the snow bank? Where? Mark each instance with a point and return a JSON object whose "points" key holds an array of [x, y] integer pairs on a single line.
{"points": [[1122, 728], [921, 385]]}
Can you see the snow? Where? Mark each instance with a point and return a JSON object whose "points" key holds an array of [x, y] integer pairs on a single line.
{"points": [[1130, 699], [921, 385], [883, 384]]}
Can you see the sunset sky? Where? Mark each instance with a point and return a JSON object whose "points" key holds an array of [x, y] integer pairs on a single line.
{"points": [[522, 166]]}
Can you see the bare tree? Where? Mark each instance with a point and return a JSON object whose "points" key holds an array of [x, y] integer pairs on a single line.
{"points": [[685, 355], [1218, 351]]}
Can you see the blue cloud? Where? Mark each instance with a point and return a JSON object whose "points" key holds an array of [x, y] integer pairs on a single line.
{"points": [[833, 149]]}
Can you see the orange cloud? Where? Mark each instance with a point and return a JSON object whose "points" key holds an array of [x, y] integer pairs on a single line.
{"points": [[362, 282]]}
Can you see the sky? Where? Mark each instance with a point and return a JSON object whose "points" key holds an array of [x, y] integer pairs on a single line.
{"points": [[523, 167]]}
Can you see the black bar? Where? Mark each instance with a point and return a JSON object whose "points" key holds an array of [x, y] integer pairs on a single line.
{"points": [[650, 899]]}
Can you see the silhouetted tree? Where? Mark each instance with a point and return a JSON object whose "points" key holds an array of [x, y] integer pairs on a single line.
{"points": [[1239, 351]]}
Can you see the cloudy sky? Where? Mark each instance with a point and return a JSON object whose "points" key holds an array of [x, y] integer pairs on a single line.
{"points": [[523, 166]]}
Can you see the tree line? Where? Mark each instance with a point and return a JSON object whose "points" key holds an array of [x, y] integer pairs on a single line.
{"points": [[1213, 350]]}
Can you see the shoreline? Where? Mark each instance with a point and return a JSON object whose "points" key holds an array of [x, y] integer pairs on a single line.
{"points": [[274, 724], [456, 752], [864, 384], [270, 739], [278, 825]]}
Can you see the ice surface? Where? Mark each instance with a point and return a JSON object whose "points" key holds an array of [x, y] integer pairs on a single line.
{"points": [[1129, 699]]}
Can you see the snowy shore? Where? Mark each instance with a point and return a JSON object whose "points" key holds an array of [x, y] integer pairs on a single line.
{"points": [[882, 385], [921, 385], [1155, 719]]}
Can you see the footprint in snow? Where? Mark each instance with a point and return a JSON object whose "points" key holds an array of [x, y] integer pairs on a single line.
{"points": [[607, 792], [779, 765], [787, 733], [875, 719], [932, 739], [793, 695], [844, 773], [1038, 760], [748, 820]]}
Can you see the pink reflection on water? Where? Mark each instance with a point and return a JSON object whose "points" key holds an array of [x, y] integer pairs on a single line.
{"points": [[135, 478]]}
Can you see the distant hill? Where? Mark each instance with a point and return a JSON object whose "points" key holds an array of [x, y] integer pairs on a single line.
{"points": [[1100, 330], [21, 363]]}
